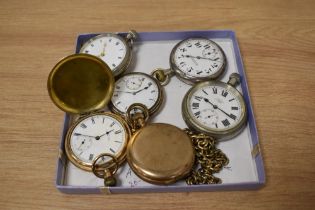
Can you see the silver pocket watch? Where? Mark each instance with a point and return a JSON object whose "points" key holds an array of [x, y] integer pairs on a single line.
{"points": [[136, 87], [215, 108], [113, 49], [193, 60]]}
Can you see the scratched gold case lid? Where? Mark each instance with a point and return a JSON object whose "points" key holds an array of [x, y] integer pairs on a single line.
{"points": [[160, 153], [80, 83]]}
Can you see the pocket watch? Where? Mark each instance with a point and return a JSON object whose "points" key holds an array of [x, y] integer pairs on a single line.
{"points": [[83, 84], [95, 134], [136, 87], [158, 153], [195, 59], [215, 108], [114, 50]]}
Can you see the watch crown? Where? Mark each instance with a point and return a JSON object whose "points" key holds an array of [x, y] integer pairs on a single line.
{"points": [[132, 35], [234, 79]]}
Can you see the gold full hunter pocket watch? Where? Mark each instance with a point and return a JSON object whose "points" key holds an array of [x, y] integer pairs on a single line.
{"points": [[158, 153], [97, 141], [215, 108], [193, 60], [113, 49]]}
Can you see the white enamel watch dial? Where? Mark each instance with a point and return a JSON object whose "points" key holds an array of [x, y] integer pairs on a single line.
{"points": [[215, 108], [113, 49], [96, 134], [136, 87], [197, 59]]}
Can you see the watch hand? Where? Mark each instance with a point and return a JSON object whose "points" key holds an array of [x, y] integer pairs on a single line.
{"points": [[103, 52], [81, 144], [199, 57], [138, 91], [106, 133], [216, 107], [124, 91], [195, 62], [79, 134]]}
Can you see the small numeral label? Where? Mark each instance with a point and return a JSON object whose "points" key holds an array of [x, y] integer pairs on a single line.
{"points": [[232, 116], [197, 114], [198, 98], [195, 105], [198, 44], [206, 46], [117, 132], [226, 122], [91, 156], [224, 93]]}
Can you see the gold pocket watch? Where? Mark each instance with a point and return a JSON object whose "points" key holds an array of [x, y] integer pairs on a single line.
{"points": [[158, 153], [114, 50], [136, 87], [193, 60], [95, 134], [215, 108], [83, 84]]}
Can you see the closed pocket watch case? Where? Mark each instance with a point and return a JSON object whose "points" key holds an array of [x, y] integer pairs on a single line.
{"points": [[160, 153]]}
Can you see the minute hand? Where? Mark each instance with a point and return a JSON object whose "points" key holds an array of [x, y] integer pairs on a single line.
{"points": [[138, 91], [199, 57], [216, 107]]}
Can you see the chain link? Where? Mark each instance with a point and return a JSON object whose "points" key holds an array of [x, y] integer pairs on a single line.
{"points": [[208, 157]]}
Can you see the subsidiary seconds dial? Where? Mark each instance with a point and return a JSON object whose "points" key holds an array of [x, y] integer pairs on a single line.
{"points": [[197, 59]]}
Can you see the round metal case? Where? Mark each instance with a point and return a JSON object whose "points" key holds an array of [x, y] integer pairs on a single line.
{"points": [[136, 87], [197, 59], [214, 108], [113, 49], [80, 83], [160, 153], [95, 134]]}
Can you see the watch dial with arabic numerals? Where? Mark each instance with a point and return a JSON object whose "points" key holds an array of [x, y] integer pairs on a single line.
{"points": [[198, 58], [136, 88], [110, 48], [215, 108], [96, 134]]}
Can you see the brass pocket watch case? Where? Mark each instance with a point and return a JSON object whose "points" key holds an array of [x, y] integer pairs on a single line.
{"points": [[80, 83], [160, 157]]}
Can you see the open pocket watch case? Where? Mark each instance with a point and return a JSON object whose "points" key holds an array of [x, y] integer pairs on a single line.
{"points": [[152, 49]]}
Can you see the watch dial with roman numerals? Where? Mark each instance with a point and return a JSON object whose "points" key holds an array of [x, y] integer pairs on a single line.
{"points": [[198, 59], [111, 48], [96, 134], [136, 87], [214, 108]]}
